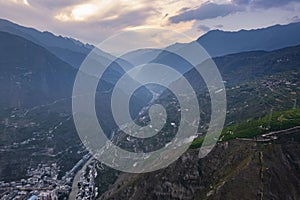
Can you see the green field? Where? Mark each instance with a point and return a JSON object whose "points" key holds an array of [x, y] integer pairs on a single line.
{"points": [[258, 126]]}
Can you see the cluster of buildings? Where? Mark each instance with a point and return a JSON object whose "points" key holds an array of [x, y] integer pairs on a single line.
{"points": [[42, 184], [272, 83], [86, 184]]}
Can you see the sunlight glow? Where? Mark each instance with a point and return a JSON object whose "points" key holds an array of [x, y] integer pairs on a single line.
{"points": [[24, 2], [83, 11]]}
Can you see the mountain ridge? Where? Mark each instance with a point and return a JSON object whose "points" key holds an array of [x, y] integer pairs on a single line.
{"points": [[67, 49], [219, 43], [31, 74]]}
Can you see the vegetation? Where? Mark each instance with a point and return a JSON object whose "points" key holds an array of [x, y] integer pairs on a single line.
{"points": [[257, 126]]}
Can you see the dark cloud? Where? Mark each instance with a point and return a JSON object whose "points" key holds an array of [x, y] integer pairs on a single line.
{"points": [[263, 3], [203, 28], [241, 1], [206, 11], [211, 10], [184, 9], [295, 19]]}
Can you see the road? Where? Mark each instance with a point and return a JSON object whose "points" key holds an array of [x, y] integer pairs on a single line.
{"points": [[74, 190]]}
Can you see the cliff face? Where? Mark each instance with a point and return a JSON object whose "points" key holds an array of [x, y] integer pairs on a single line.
{"points": [[237, 169]]}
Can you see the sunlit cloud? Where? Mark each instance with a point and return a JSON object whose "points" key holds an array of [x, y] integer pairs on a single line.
{"points": [[124, 15], [98, 10], [24, 2], [112, 10], [78, 13]]}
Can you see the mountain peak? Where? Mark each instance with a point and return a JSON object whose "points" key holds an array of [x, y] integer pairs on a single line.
{"points": [[68, 49], [219, 42]]}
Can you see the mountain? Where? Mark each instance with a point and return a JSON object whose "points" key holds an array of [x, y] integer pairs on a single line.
{"points": [[233, 170], [36, 123], [219, 43], [216, 42], [248, 165], [253, 65], [38, 69], [30, 74], [67, 49]]}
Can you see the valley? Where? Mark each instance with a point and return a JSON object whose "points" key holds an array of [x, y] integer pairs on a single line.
{"points": [[41, 154]]}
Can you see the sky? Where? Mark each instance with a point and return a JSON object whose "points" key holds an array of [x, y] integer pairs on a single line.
{"points": [[92, 21]]}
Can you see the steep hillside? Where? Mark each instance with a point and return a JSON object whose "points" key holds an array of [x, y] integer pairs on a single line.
{"points": [[233, 170], [31, 75], [245, 164]]}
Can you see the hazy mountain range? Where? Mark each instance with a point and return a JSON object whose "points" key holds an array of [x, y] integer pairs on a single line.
{"points": [[216, 42], [220, 43], [40, 67]]}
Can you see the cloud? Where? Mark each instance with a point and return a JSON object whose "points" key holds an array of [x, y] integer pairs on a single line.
{"points": [[295, 19], [219, 26], [203, 28], [128, 19], [92, 20], [263, 3], [206, 11], [54, 4], [211, 10]]}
